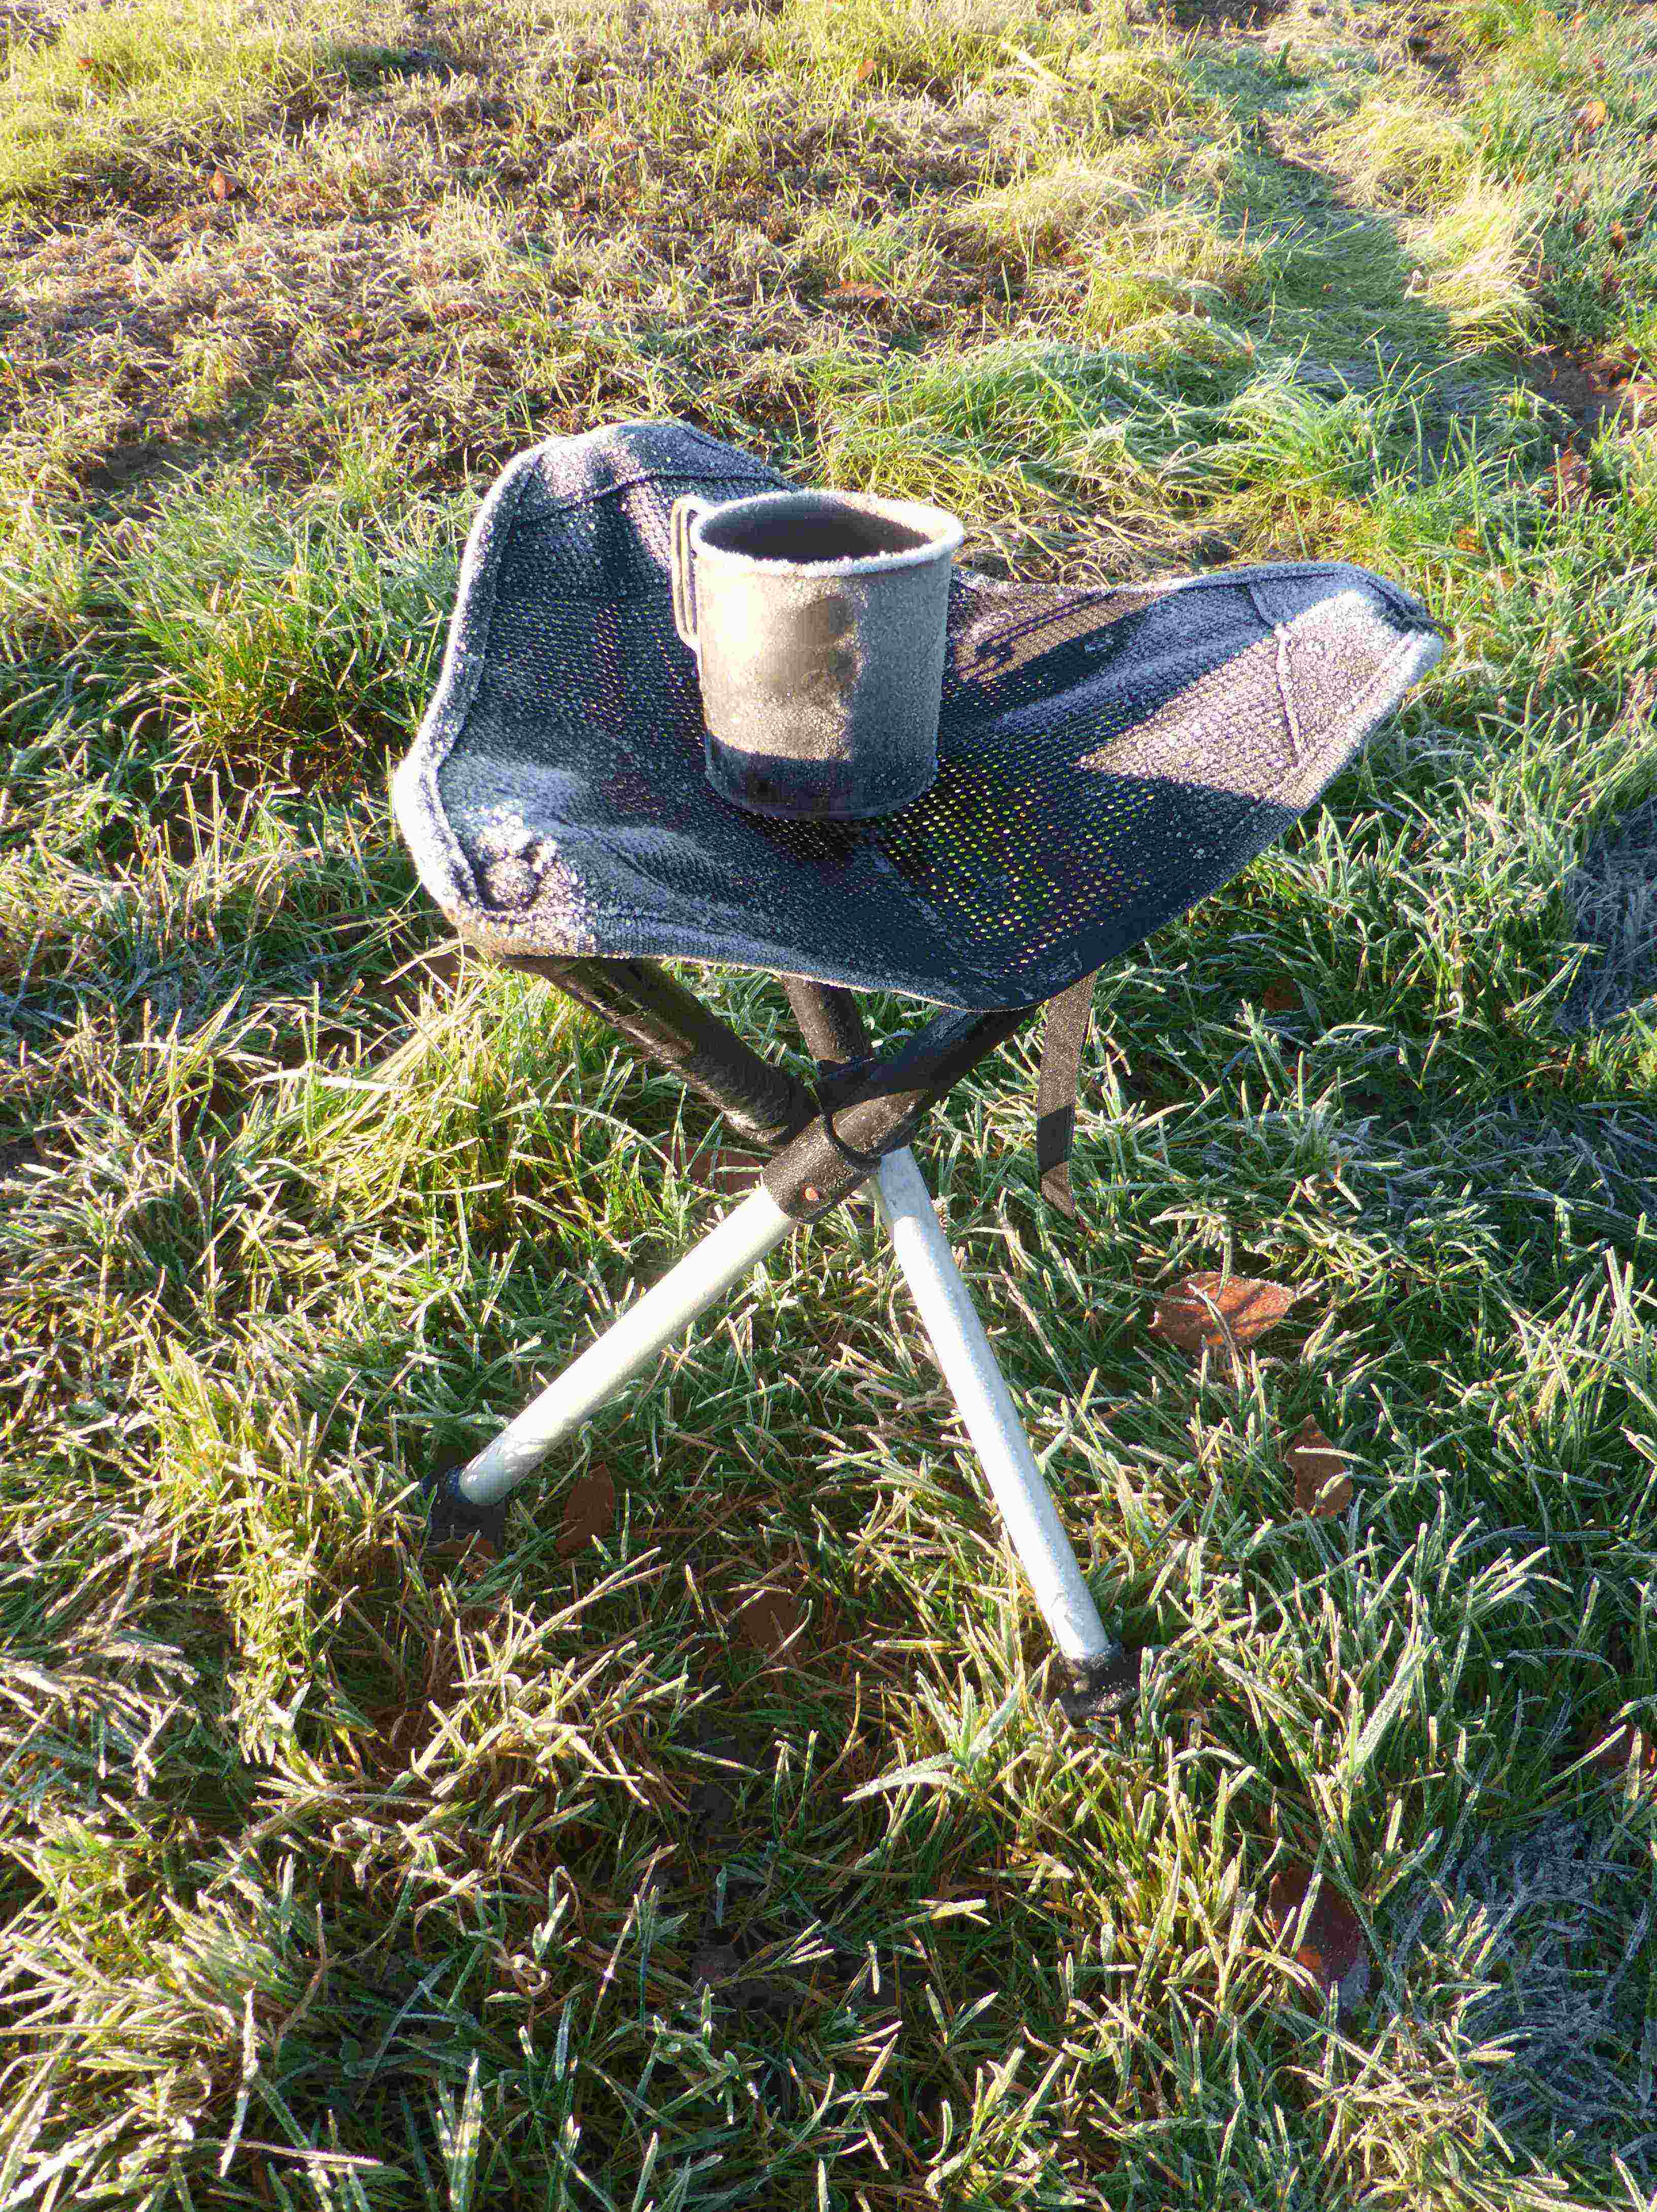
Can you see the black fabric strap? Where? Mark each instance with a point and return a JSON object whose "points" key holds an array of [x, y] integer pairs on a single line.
{"points": [[1063, 1037]]}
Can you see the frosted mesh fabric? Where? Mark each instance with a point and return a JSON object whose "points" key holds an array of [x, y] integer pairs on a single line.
{"points": [[1107, 757]]}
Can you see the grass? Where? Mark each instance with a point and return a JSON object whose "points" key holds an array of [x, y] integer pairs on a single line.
{"points": [[338, 1873], [153, 75]]}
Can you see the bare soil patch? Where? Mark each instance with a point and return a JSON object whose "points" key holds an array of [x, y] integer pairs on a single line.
{"points": [[1589, 387]]}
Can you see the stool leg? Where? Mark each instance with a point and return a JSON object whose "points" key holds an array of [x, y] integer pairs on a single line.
{"points": [[706, 1271], [964, 1353]]}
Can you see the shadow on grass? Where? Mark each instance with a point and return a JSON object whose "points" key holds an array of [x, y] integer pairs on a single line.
{"points": [[1344, 294]]}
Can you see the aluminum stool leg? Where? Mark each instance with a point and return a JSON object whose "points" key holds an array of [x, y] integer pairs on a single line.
{"points": [[964, 1353], [706, 1271]]}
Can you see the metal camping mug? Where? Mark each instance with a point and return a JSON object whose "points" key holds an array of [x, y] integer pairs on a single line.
{"points": [[818, 624]]}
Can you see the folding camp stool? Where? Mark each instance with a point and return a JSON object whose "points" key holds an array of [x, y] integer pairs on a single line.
{"points": [[1107, 757]]}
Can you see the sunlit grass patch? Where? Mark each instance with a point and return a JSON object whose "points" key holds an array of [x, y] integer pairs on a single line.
{"points": [[1476, 257], [1410, 154], [1177, 269], [1490, 26], [1005, 427], [1057, 211], [868, 45], [1574, 135], [147, 68], [43, 575], [900, 255]]}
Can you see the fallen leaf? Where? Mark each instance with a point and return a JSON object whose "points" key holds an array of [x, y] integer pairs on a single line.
{"points": [[865, 295], [1282, 997], [1469, 540], [1636, 403], [1322, 1486], [1624, 1744], [1591, 116], [711, 1808], [589, 1512], [768, 1620], [1619, 238], [721, 1965], [715, 1962], [1209, 1312], [865, 68], [734, 1174], [1333, 1948], [1570, 481], [724, 1168], [222, 188]]}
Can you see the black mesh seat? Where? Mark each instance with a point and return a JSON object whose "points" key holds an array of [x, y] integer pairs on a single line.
{"points": [[1108, 758]]}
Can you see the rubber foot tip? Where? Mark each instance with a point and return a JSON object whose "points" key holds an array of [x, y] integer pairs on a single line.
{"points": [[1102, 1688], [451, 1518]]}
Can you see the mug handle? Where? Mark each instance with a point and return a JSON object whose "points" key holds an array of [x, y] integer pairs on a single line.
{"points": [[686, 513]]}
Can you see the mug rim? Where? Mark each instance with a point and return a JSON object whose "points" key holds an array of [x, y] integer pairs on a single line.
{"points": [[944, 533]]}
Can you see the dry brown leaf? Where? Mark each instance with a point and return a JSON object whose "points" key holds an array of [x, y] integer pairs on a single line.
{"points": [[1282, 997], [1592, 117], [865, 68], [715, 1962], [735, 1173], [1619, 238], [1333, 1948], [725, 1169], [1636, 403], [1624, 1744], [589, 1512], [1209, 1312], [1569, 481], [863, 295], [768, 1620], [1322, 1486]]}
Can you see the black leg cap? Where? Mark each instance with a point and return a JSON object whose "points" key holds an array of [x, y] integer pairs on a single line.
{"points": [[1103, 1687], [451, 1518]]}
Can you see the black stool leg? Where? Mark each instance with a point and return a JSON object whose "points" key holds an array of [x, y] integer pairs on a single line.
{"points": [[830, 1020]]}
